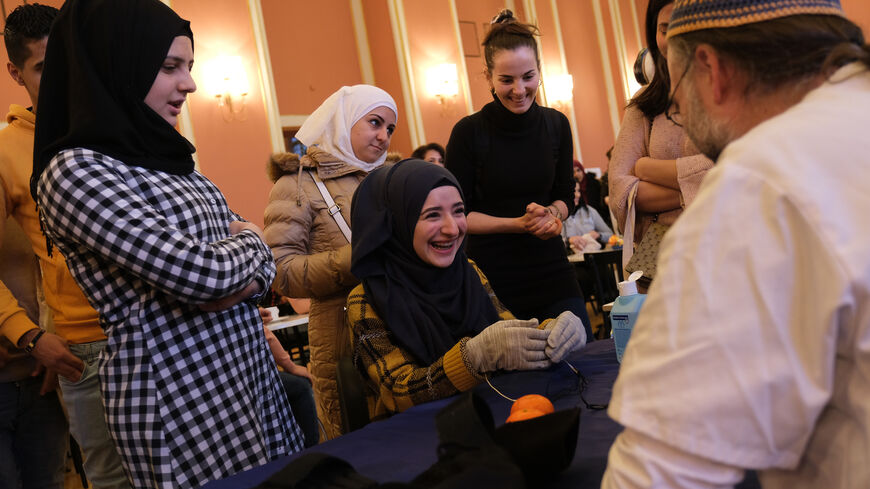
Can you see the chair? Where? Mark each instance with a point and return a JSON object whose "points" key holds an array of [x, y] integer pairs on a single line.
{"points": [[295, 341], [351, 396], [606, 270]]}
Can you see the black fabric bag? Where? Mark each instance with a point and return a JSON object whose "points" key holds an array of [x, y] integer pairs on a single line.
{"points": [[471, 454], [540, 447], [317, 471]]}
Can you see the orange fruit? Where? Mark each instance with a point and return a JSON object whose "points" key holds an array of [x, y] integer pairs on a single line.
{"points": [[535, 402], [523, 414]]}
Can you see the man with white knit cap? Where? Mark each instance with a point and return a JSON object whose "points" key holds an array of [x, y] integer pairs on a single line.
{"points": [[753, 348]]}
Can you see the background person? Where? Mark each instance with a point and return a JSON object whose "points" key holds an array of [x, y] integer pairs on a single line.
{"points": [[190, 391], [74, 350], [585, 224], [296, 381], [432, 152], [425, 323], [513, 160], [347, 137], [651, 153], [765, 373], [33, 426]]}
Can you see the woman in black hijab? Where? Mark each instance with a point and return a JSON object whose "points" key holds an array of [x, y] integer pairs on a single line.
{"points": [[190, 391], [426, 324]]}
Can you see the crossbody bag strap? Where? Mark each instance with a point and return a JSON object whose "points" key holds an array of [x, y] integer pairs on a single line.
{"points": [[628, 232], [333, 208]]}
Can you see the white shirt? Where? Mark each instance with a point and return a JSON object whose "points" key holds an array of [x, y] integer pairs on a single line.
{"points": [[753, 347], [584, 220]]}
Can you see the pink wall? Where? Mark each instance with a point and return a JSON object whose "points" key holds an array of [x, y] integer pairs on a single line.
{"points": [[858, 12], [232, 154], [432, 40], [584, 63], [313, 51]]}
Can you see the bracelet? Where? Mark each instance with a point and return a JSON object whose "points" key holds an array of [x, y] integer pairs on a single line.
{"points": [[30, 346], [557, 214]]}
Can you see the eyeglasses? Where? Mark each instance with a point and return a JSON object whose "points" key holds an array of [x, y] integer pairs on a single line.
{"points": [[672, 112]]}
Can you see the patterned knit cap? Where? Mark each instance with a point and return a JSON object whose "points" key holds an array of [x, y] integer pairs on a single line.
{"points": [[695, 15]]}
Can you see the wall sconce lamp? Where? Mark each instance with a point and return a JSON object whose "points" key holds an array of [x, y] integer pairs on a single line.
{"points": [[560, 89], [228, 83], [443, 82]]}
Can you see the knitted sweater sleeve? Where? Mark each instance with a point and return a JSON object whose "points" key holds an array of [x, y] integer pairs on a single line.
{"points": [[396, 382], [631, 145], [691, 170]]}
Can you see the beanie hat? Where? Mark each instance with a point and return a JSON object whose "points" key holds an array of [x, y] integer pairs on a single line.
{"points": [[695, 15]]}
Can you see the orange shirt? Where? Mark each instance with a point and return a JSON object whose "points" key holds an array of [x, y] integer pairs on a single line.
{"points": [[74, 318]]}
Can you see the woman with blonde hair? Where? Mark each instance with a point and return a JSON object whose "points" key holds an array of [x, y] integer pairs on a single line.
{"points": [[308, 221]]}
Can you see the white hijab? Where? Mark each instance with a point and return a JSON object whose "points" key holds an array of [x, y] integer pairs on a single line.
{"points": [[329, 126]]}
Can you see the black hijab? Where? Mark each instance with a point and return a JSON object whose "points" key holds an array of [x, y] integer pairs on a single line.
{"points": [[427, 308], [100, 62]]}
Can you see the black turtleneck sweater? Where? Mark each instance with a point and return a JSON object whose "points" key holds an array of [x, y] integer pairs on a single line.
{"points": [[504, 161]]}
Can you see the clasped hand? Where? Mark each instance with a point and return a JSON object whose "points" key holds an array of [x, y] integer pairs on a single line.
{"points": [[538, 221]]}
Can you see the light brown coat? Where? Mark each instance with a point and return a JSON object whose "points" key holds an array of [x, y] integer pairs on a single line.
{"points": [[313, 260]]}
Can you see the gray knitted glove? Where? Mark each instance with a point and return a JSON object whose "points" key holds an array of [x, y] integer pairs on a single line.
{"points": [[511, 344], [566, 335]]}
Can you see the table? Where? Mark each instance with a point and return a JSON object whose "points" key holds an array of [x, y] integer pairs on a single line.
{"points": [[403, 446], [292, 321], [577, 256]]}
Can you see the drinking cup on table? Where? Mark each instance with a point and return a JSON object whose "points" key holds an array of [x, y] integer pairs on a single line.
{"points": [[274, 312]]}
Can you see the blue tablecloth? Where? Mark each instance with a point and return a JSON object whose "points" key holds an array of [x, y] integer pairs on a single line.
{"points": [[403, 446]]}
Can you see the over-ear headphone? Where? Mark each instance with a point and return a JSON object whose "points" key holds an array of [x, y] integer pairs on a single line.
{"points": [[644, 67]]}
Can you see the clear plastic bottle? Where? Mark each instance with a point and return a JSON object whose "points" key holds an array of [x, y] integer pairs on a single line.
{"points": [[625, 310]]}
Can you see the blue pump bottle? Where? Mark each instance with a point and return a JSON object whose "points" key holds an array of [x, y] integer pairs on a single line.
{"points": [[625, 310]]}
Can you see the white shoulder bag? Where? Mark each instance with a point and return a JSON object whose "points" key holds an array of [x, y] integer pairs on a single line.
{"points": [[334, 209]]}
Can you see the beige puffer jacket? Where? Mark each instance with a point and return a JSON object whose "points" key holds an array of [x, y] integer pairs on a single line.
{"points": [[313, 259]]}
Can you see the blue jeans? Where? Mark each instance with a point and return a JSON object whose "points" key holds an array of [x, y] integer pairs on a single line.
{"points": [[87, 422], [33, 436], [301, 398]]}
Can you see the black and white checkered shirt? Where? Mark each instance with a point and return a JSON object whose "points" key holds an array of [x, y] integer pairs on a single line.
{"points": [[190, 396]]}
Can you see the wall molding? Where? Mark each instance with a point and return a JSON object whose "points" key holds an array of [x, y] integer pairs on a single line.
{"points": [[367, 70], [532, 18], [605, 64], [267, 80], [564, 61], [406, 72], [621, 50], [641, 41], [461, 68]]}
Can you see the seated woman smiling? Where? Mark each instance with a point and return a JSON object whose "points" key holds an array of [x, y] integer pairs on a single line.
{"points": [[425, 323]]}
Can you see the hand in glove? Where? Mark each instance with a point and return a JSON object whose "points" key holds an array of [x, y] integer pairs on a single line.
{"points": [[566, 335], [512, 344]]}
